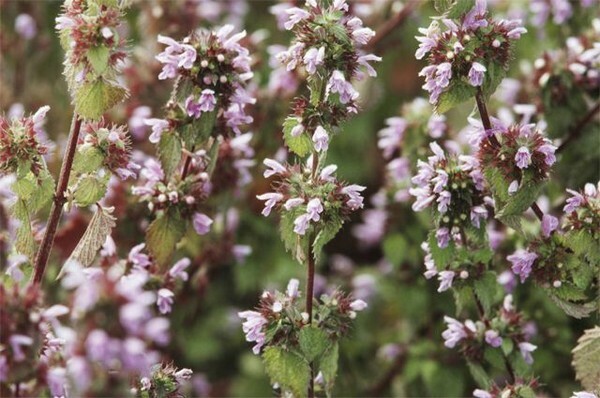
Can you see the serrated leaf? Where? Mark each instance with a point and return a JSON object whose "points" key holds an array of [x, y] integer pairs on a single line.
{"points": [[442, 6], [95, 235], [328, 365], [586, 359], [287, 369], [23, 188], [577, 311], [313, 342], [583, 244], [486, 288], [44, 192], [93, 99], [89, 189], [300, 145], [169, 152], [569, 292], [457, 93], [163, 234], [493, 77], [88, 159], [296, 244], [204, 126], [327, 231], [98, 57], [463, 296]]}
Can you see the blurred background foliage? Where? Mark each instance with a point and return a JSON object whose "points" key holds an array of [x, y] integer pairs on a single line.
{"points": [[395, 348]]}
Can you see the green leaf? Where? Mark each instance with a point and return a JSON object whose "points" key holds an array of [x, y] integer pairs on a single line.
{"points": [[300, 145], [586, 359], [93, 238], [88, 159], [327, 232], [457, 93], [23, 187], [441, 257], [93, 99], [486, 289], [521, 200], [569, 292], [296, 244], [89, 189], [479, 375], [98, 57], [169, 152], [328, 365], [313, 342], [460, 8], [287, 369], [577, 311], [442, 6], [163, 234], [204, 126], [395, 248], [493, 77], [526, 392], [507, 346], [25, 241]]}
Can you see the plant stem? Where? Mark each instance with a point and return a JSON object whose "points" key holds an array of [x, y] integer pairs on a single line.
{"points": [[576, 131], [392, 24], [41, 258], [493, 141], [187, 164], [310, 282], [3, 238]]}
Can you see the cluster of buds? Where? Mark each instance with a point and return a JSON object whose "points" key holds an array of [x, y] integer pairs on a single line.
{"points": [[165, 380], [278, 320], [89, 31], [467, 49], [212, 69], [184, 195], [111, 144], [523, 152], [20, 143], [454, 185], [474, 337], [29, 350], [309, 199], [579, 66]]}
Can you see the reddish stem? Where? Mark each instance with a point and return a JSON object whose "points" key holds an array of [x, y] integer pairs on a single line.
{"points": [[310, 282], [43, 253]]}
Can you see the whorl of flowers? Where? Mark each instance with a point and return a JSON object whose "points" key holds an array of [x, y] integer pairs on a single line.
{"points": [[475, 337], [113, 144], [326, 45], [579, 65], [582, 210], [453, 187], [467, 52], [89, 32], [212, 70], [523, 151], [311, 201], [277, 319], [21, 144], [185, 196]]}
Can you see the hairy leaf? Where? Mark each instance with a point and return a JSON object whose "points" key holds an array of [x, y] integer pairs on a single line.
{"points": [[486, 289], [169, 152], [89, 189], [288, 369], [313, 342], [572, 309], [93, 238], [98, 57], [163, 234], [586, 359], [88, 159], [328, 365], [457, 93], [326, 233], [92, 99], [460, 8]]}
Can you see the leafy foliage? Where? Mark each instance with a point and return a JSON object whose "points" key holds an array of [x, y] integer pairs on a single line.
{"points": [[586, 359], [288, 369]]}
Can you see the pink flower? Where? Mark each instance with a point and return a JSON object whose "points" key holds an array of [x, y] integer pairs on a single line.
{"points": [[358, 305], [295, 15], [522, 261], [314, 208], [158, 127], [314, 58], [164, 301], [202, 223], [292, 288], [526, 350], [320, 139], [271, 199], [301, 224], [178, 269], [476, 74], [523, 158], [492, 337], [253, 328], [549, 224], [274, 167], [443, 237], [445, 278]]}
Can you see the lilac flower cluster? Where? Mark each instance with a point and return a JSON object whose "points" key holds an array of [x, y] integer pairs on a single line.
{"points": [[465, 50], [218, 68], [184, 195], [21, 142], [279, 319], [582, 209], [474, 336], [309, 200], [523, 151], [454, 187]]}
